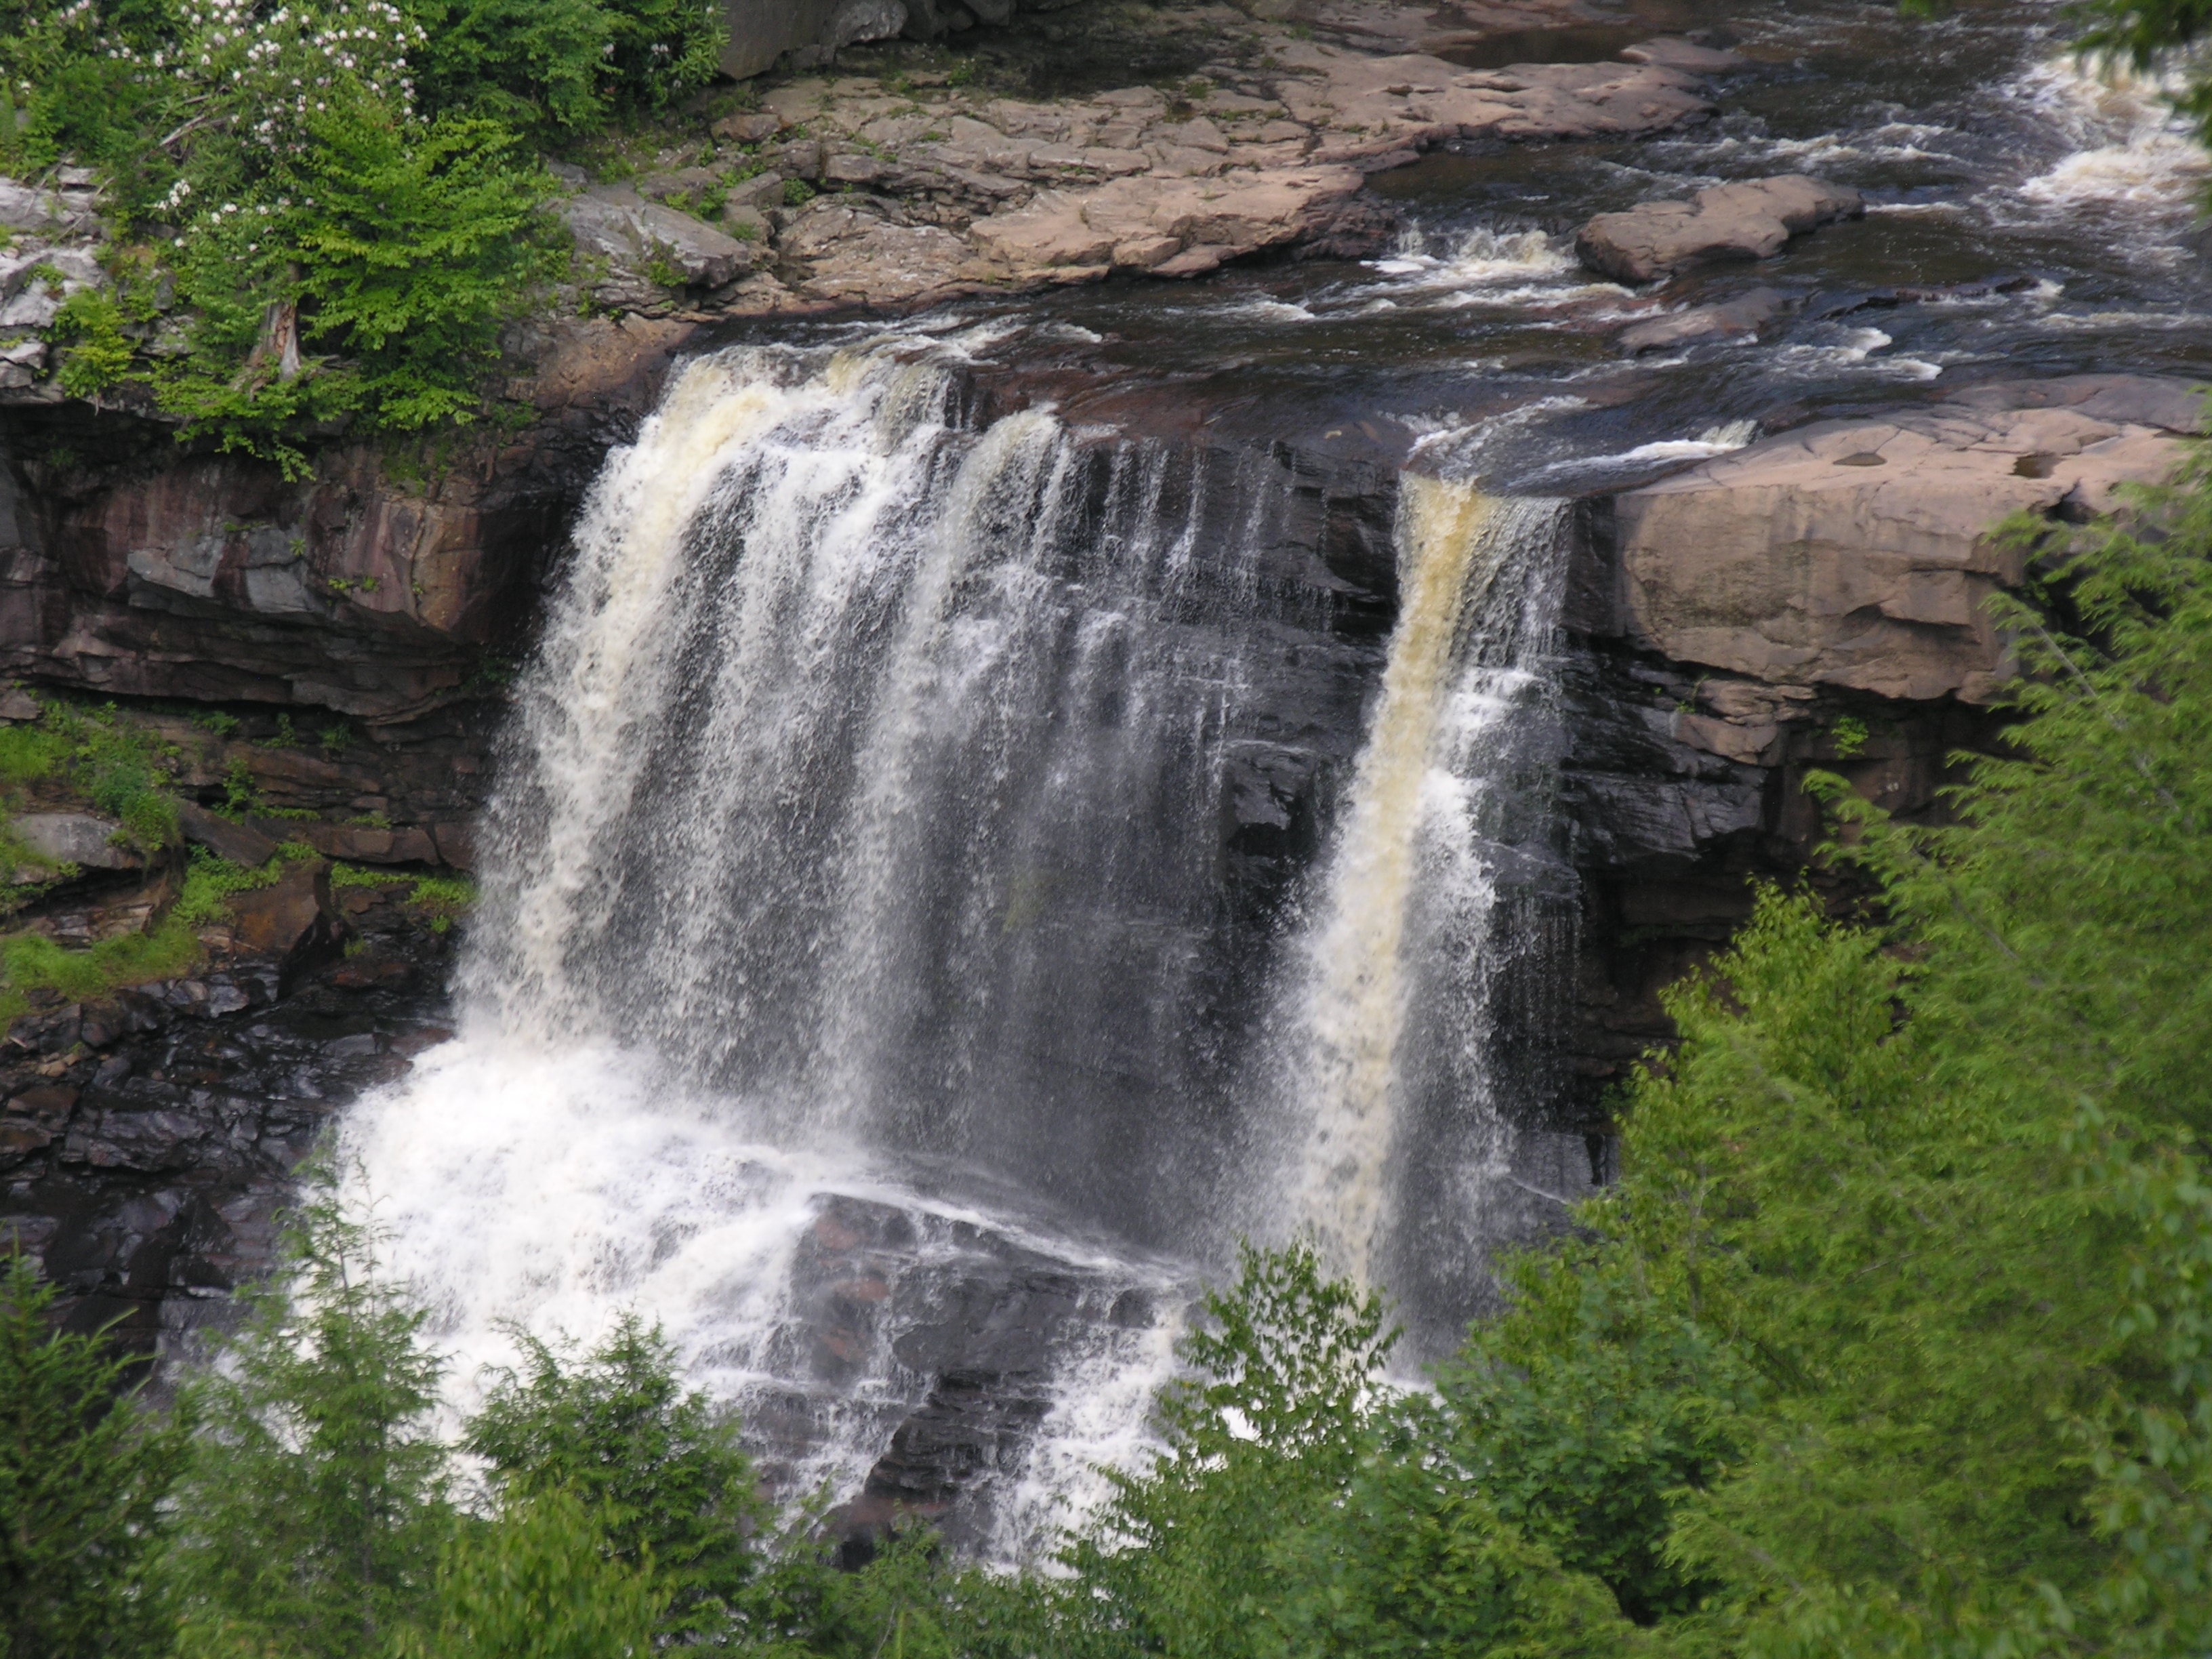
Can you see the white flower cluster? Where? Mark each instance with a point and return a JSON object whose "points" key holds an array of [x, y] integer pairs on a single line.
{"points": [[277, 65]]}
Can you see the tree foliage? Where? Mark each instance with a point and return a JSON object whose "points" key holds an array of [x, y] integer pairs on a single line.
{"points": [[84, 1470], [660, 1468], [313, 1515], [343, 192]]}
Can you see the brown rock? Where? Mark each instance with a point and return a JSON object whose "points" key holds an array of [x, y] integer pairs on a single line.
{"points": [[241, 843], [1747, 220], [749, 129], [48, 1103], [1235, 213], [1671, 52], [1411, 101], [1795, 562], [280, 920], [456, 844], [18, 1140]]}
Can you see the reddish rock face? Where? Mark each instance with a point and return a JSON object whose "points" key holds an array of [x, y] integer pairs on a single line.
{"points": [[1748, 221], [373, 587]]}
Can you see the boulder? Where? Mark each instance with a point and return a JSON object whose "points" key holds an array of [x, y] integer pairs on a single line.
{"points": [[1747, 220], [77, 838], [637, 235], [46, 212], [241, 843], [1672, 51], [1382, 106], [1856, 554], [1733, 319], [359, 843], [1176, 227], [858, 256], [295, 923]]}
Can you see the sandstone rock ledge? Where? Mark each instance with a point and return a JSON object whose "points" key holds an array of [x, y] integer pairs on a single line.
{"points": [[851, 192], [1856, 554]]}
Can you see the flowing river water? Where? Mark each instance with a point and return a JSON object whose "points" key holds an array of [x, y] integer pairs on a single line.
{"points": [[859, 988]]}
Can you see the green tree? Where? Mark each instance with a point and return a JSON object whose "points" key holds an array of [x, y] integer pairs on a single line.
{"points": [[1265, 1432], [536, 1583], [311, 1518], [657, 1464], [83, 1471], [562, 67]]}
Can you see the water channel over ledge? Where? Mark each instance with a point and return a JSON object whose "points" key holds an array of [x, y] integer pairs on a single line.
{"points": [[927, 920]]}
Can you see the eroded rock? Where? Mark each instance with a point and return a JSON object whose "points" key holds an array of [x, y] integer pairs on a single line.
{"points": [[1856, 554], [1731, 319], [1180, 227], [78, 838], [1751, 219]]}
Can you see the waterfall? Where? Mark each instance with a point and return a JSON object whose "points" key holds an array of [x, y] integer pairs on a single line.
{"points": [[1401, 964], [861, 986]]}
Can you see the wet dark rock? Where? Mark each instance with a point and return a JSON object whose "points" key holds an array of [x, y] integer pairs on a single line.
{"points": [[241, 843], [1731, 319], [147, 1139]]}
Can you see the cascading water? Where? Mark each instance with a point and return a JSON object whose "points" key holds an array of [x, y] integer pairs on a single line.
{"points": [[1447, 827], [857, 988]]}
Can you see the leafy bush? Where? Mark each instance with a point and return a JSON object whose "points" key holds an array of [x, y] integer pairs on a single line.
{"points": [[28, 753], [209, 884], [95, 354], [565, 67]]}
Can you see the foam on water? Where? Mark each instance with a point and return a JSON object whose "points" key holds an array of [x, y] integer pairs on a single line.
{"points": [[2131, 150]]}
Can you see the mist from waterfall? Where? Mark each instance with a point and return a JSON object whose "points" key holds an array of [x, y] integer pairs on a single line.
{"points": [[854, 951]]}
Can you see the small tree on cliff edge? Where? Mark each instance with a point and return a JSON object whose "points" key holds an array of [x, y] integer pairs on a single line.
{"points": [[83, 1469]]}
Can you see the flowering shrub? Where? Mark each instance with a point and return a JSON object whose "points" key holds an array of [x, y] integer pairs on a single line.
{"points": [[340, 186]]}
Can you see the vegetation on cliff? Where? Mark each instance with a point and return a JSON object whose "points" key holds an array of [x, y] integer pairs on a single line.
{"points": [[344, 195]]}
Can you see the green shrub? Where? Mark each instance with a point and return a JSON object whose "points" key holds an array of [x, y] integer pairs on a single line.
{"points": [[657, 1463], [28, 753], [444, 897], [209, 884], [95, 353], [31, 962], [564, 67]]}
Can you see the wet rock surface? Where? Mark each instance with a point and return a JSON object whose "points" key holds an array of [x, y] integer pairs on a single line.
{"points": [[147, 1138], [968, 1337]]}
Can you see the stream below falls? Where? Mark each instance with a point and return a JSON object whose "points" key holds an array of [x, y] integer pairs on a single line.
{"points": [[959, 866]]}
